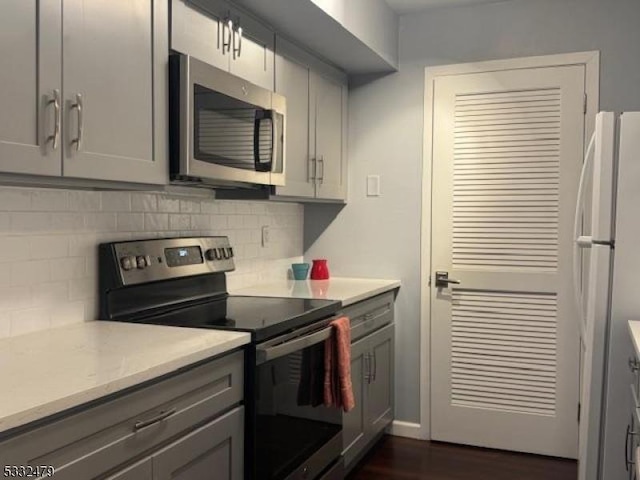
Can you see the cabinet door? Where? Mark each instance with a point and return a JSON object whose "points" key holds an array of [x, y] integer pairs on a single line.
{"points": [[252, 52], [212, 451], [138, 471], [328, 96], [353, 423], [31, 58], [115, 90], [198, 29], [380, 391], [292, 81]]}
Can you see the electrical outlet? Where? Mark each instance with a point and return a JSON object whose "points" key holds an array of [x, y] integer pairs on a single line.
{"points": [[265, 235]]}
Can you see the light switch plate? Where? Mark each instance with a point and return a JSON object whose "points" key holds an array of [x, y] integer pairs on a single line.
{"points": [[373, 185]]}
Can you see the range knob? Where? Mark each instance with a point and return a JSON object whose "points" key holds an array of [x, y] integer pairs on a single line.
{"points": [[210, 254], [141, 262], [220, 253], [230, 252], [128, 263]]}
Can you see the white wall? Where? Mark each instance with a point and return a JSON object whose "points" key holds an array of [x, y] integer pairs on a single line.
{"points": [[380, 236], [49, 239]]}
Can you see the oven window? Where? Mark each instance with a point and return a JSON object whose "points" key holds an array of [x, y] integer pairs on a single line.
{"points": [[291, 422], [230, 132]]}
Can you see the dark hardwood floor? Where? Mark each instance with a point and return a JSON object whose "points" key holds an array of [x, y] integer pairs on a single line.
{"points": [[402, 458]]}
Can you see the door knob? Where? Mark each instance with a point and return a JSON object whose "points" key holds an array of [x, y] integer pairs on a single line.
{"points": [[443, 280]]}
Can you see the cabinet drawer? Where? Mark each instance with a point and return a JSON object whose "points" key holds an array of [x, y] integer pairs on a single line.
{"points": [[85, 444], [370, 315]]}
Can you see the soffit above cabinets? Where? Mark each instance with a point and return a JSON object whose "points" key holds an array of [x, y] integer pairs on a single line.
{"points": [[403, 7], [358, 37]]}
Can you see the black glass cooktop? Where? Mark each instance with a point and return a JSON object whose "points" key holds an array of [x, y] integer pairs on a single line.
{"points": [[264, 317]]}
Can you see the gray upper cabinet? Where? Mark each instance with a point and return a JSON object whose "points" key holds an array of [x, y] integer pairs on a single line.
{"points": [[292, 81], [328, 100], [315, 134], [219, 34], [198, 28], [252, 51], [31, 82], [109, 120], [115, 75]]}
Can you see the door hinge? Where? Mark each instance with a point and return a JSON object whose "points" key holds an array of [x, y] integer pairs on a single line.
{"points": [[585, 103], [579, 409]]}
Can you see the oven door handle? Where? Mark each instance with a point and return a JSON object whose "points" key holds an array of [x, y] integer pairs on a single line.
{"points": [[267, 353]]}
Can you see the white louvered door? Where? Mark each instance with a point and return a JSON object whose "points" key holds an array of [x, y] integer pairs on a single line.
{"points": [[507, 152]]}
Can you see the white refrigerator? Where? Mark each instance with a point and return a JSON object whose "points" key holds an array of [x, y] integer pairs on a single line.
{"points": [[607, 284]]}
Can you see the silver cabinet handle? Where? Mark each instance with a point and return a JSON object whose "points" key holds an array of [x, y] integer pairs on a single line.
{"points": [[443, 280], [367, 367], [158, 418], [634, 365], [321, 162], [56, 112], [226, 43], [79, 106], [313, 169], [375, 366], [237, 49]]}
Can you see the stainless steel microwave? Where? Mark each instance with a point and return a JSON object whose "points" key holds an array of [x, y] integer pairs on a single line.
{"points": [[224, 131]]}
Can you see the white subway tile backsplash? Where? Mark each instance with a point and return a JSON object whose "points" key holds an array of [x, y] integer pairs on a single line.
{"points": [[130, 222], [24, 273], [14, 199], [154, 222], [46, 294], [179, 222], [67, 222], [50, 200], [168, 204], [144, 202], [100, 222], [29, 320], [190, 206], [80, 201], [116, 202], [49, 244], [30, 222], [68, 268]]}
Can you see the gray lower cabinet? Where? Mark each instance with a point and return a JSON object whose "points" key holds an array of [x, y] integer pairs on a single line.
{"points": [[142, 470], [189, 422], [372, 376], [100, 114], [216, 447]]}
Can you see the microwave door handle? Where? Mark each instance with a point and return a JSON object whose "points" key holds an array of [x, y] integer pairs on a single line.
{"points": [[258, 165], [267, 353]]}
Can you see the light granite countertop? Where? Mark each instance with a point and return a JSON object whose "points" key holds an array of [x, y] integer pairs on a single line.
{"points": [[50, 371], [347, 290]]}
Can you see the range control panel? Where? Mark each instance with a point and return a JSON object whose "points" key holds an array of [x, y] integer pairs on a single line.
{"points": [[150, 260]]}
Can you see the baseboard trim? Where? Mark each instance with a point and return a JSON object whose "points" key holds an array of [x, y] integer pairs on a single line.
{"points": [[406, 429]]}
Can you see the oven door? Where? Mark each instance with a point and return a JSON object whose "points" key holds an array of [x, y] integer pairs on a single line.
{"points": [[228, 129], [296, 436]]}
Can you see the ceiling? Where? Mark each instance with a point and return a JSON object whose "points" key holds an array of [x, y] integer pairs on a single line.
{"points": [[407, 6]]}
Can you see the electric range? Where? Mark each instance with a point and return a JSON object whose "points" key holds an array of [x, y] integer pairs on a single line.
{"points": [[181, 282]]}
